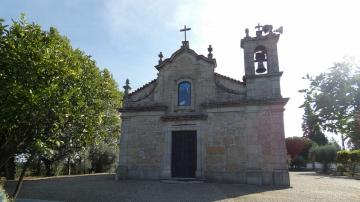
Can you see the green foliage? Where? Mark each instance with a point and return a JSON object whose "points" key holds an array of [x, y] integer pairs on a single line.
{"points": [[3, 196], [340, 168], [349, 159], [333, 101], [298, 162], [354, 156], [325, 154], [310, 125], [54, 99], [342, 157]]}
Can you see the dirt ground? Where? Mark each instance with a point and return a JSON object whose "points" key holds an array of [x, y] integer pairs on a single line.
{"points": [[305, 186]]}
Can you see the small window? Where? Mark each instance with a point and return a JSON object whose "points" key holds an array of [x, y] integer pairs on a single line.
{"points": [[184, 93]]}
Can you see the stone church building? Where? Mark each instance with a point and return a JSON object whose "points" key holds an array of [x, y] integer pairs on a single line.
{"points": [[191, 122]]}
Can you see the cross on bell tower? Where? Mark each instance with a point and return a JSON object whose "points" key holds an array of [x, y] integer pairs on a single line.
{"points": [[185, 43]]}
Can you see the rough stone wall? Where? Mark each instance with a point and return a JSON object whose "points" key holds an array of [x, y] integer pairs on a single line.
{"points": [[263, 87], [145, 145], [246, 144]]}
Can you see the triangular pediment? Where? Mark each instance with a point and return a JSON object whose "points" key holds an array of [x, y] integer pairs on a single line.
{"points": [[185, 50]]}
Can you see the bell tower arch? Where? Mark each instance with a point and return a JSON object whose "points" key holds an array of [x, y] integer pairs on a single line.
{"points": [[262, 75]]}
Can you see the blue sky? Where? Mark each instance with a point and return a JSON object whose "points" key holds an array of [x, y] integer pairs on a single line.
{"points": [[126, 36]]}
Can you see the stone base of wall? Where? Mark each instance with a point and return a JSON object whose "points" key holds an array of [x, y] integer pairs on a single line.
{"points": [[121, 173], [143, 174], [250, 176], [281, 178]]}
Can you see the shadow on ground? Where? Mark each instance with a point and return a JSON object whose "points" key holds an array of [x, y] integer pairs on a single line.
{"points": [[103, 187]]}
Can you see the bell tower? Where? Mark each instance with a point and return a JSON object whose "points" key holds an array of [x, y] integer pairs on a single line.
{"points": [[262, 75]]}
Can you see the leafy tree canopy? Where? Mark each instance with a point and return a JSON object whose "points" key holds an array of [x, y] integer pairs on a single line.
{"points": [[52, 96], [333, 102]]}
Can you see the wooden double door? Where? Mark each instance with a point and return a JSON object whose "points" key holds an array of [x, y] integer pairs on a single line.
{"points": [[183, 154]]}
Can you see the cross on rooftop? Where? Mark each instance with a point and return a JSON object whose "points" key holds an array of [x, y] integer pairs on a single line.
{"points": [[184, 30], [258, 27]]}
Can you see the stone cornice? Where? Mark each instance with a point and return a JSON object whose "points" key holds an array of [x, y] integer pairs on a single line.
{"points": [[144, 108], [279, 101], [260, 38], [185, 117], [263, 75]]}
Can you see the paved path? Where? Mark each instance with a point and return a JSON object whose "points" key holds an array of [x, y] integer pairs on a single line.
{"points": [[305, 186]]}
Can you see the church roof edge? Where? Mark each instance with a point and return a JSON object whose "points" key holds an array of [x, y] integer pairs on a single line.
{"points": [[181, 50], [142, 87], [229, 78]]}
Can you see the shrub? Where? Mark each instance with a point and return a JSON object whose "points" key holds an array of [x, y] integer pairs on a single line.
{"points": [[341, 169], [325, 154], [349, 159], [298, 162], [3, 195], [354, 158], [342, 157]]}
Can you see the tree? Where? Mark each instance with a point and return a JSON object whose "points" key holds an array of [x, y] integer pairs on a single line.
{"points": [[310, 125], [298, 149], [335, 98], [325, 154], [54, 99], [295, 145]]}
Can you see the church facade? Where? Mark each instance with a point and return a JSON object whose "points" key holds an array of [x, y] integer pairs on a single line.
{"points": [[191, 122]]}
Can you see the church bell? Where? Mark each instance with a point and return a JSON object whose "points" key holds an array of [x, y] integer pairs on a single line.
{"points": [[260, 59]]}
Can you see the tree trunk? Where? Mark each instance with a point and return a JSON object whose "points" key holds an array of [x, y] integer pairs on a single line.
{"points": [[69, 166], [21, 179], [10, 169], [342, 141], [48, 168], [38, 167]]}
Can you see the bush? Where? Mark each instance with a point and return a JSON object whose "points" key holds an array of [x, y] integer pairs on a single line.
{"points": [[354, 158], [342, 157], [3, 196], [349, 159], [298, 162], [341, 169], [325, 154]]}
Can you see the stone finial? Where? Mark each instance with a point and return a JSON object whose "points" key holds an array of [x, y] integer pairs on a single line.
{"points": [[127, 88], [210, 55], [185, 44], [126, 92], [160, 57], [247, 33]]}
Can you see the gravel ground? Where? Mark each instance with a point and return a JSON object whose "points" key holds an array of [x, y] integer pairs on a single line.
{"points": [[305, 186]]}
